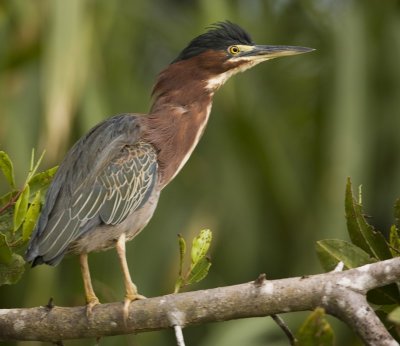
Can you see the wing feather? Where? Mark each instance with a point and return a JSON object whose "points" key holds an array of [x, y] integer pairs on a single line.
{"points": [[127, 197], [105, 177]]}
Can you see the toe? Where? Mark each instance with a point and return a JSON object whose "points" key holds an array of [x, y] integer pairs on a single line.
{"points": [[127, 302], [90, 305], [136, 296]]}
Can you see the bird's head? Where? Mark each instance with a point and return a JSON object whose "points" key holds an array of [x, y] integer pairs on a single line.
{"points": [[226, 49]]}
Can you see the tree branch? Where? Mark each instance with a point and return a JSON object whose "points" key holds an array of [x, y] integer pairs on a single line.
{"points": [[341, 294]]}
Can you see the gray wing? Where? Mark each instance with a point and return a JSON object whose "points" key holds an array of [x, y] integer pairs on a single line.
{"points": [[106, 176]]}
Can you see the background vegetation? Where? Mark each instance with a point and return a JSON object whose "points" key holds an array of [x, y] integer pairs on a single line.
{"points": [[269, 175]]}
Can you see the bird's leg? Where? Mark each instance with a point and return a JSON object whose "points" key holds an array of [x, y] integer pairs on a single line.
{"points": [[91, 298], [130, 288]]}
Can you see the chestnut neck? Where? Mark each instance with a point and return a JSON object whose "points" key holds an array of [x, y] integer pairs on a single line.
{"points": [[178, 116]]}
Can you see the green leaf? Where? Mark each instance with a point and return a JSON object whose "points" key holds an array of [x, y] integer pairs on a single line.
{"points": [[394, 241], [331, 251], [33, 167], [386, 309], [397, 212], [199, 263], [5, 252], [31, 217], [182, 252], [7, 168], [315, 330], [41, 181], [361, 233], [384, 295], [394, 316], [10, 273], [178, 284], [21, 207], [6, 221], [200, 245], [7, 197], [199, 271]]}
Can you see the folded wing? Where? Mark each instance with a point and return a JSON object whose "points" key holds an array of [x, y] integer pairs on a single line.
{"points": [[106, 176]]}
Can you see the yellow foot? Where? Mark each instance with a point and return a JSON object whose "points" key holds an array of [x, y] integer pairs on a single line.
{"points": [[127, 302], [92, 302]]}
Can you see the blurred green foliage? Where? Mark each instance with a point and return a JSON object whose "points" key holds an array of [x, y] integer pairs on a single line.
{"points": [[268, 175], [19, 211]]}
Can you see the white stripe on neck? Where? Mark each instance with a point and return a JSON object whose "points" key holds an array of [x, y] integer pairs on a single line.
{"points": [[195, 142]]}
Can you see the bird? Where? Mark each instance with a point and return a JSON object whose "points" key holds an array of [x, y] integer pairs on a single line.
{"points": [[107, 187]]}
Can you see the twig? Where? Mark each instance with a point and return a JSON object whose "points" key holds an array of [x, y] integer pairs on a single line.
{"points": [[281, 323], [179, 336], [393, 248], [339, 267], [11, 202], [50, 305], [278, 320]]}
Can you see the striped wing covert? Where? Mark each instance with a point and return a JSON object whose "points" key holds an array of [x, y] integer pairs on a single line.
{"points": [[115, 183]]}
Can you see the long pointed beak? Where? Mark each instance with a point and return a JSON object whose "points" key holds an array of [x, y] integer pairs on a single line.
{"points": [[271, 52]]}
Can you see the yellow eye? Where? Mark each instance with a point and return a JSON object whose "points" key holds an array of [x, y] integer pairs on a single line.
{"points": [[234, 50]]}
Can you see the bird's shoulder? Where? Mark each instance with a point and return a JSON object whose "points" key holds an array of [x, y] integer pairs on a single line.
{"points": [[112, 145], [98, 147]]}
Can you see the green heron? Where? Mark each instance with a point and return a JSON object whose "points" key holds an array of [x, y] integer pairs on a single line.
{"points": [[107, 187]]}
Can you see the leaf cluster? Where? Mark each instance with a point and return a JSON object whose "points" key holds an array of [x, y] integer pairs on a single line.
{"points": [[200, 263], [19, 210], [367, 245]]}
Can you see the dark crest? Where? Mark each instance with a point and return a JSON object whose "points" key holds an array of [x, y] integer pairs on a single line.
{"points": [[220, 36]]}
